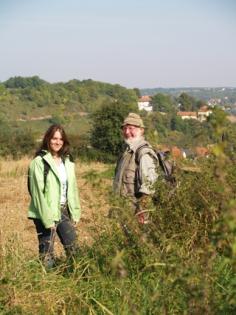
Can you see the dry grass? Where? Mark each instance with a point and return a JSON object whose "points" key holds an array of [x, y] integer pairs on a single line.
{"points": [[15, 200]]}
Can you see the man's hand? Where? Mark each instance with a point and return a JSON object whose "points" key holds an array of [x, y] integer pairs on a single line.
{"points": [[141, 217], [142, 209]]}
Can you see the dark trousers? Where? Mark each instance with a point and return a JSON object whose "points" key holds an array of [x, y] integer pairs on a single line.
{"points": [[46, 237]]}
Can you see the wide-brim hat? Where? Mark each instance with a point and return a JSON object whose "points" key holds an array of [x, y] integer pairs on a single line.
{"points": [[134, 120]]}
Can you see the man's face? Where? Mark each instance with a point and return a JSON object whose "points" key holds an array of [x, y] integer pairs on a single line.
{"points": [[131, 132]]}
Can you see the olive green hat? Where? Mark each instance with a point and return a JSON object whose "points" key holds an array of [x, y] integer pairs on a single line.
{"points": [[134, 120]]}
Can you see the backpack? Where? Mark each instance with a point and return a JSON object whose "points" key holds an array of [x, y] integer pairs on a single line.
{"points": [[45, 172], [167, 166]]}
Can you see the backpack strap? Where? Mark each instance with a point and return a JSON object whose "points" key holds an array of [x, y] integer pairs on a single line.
{"points": [[46, 168], [45, 173], [160, 158], [69, 156], [166, 166], [143, 149]]}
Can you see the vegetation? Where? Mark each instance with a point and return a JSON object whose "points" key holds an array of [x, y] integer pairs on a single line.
{"points": [[182, 262], [162, 103], [106, 131], [29, 105], [15, 142], [225, 96], [24, 98], [92, 113]]}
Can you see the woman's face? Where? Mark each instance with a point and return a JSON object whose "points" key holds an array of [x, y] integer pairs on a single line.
{"points": [[56, 143]]}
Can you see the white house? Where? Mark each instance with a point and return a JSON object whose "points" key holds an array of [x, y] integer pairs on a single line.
{"points": [[203, 113], [144, 103], [200, 115], [187, 115]]}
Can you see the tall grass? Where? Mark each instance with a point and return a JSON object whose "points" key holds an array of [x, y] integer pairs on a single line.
{"points": [[182, 262]]}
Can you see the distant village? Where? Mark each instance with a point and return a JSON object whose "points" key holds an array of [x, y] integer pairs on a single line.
{"points": [[145, 103]]}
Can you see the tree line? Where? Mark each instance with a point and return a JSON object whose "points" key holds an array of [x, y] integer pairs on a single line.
{"points": [[105, 106]]}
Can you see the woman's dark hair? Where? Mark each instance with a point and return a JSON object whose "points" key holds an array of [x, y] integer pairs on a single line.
{"points": [[49, 135]]}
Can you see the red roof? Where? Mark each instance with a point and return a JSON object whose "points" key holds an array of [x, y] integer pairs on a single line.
{"points": [[204, 109], [190, 114], [145, 98]]}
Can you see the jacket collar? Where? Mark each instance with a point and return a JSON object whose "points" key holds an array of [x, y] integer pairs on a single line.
{"points": [[49, 159]]}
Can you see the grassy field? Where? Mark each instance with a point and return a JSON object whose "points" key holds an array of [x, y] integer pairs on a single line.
{"points": [[77, 124], [182, 263], [15, 200]]}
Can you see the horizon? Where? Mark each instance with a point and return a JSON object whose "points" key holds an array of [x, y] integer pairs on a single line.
{"points": [[133, 43], [142, 88]]}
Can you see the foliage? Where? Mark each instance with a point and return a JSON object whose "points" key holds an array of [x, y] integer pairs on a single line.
{"points": [[219, 95], [26, 97], [163, 103], [33, 104], [81, 148], [106, 135], [170, 129], [15, 142], [182, 262], [20, 82], [218, 124], [137, 91], [187, 102]]}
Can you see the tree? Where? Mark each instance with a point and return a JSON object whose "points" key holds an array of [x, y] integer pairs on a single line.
{"points": [[162, 103], [200, 103], [23, 82], [15, 142], [218, 124], [178, 124], [107, 121], [137, 92], [187, 102]]}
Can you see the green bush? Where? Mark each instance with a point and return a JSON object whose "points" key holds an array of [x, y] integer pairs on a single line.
{"points": [[16, 142], [106, 132]]}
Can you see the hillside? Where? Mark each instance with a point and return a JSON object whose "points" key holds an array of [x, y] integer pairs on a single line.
{"points": [[29, 105], [33, 102]]}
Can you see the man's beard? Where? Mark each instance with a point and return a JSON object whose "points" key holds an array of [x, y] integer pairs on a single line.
{"points": [[133, 141]]}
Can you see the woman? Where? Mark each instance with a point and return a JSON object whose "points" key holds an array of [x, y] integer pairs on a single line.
{"points": [[55, 205]]}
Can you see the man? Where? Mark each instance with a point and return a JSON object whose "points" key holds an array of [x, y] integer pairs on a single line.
{"points": [[136, 171]]}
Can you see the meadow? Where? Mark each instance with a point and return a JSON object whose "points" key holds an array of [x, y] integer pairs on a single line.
{"points": [[183, 262]]}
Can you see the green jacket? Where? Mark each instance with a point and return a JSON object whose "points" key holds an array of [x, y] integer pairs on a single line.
{"points": [[46, 206]]}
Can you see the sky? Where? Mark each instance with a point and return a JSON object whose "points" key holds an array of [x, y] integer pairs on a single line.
{"points": [[134, 43]]}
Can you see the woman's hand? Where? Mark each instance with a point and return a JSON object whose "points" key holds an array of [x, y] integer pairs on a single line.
{"points": [[52, 227]]}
